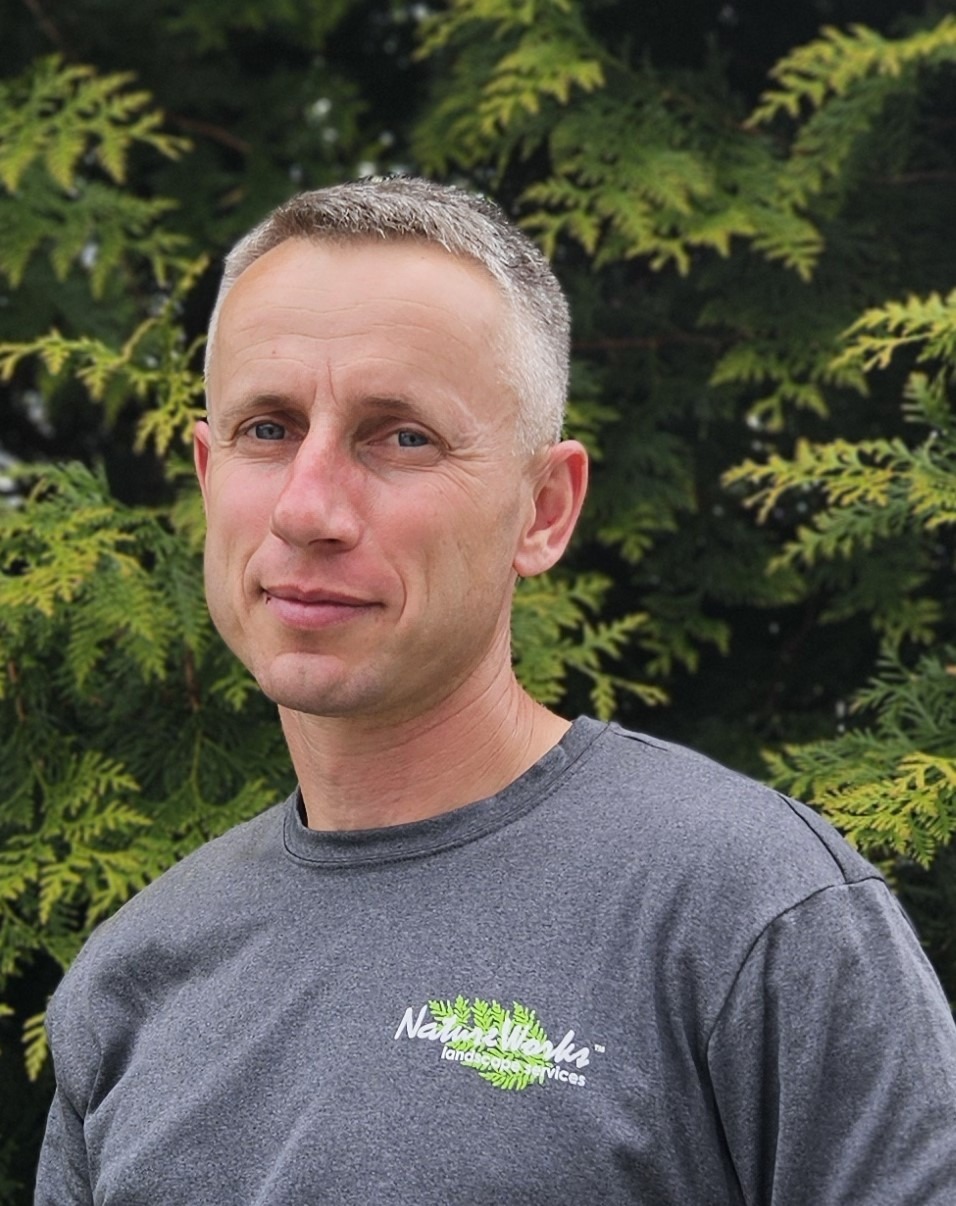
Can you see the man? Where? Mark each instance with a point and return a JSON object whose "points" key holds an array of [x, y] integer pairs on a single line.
{"points": [[481, 955]]}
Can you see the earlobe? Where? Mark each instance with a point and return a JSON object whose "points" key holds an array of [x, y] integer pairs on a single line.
{"points": [[560, 486]]}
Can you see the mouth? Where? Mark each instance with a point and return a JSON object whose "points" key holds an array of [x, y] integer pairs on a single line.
{"points": [[314, 609]]}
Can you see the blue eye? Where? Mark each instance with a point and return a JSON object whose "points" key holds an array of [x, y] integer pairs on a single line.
{"points": [[268, 431], [412, 439]]}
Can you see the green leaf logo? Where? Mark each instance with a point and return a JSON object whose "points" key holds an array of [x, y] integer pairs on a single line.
{"points": [[506, 1046]]}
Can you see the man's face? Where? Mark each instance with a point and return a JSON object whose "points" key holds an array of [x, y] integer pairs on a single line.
{"points": [[363, 492]]}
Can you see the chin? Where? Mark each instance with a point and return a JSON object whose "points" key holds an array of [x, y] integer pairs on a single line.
{"points": [[297, 683]]}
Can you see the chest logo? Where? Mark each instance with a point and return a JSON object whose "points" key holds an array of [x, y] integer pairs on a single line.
{"points": [[509, 1048]]}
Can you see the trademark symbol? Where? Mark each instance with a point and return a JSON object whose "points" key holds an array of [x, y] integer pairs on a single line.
{"points": [[599, 1048]]}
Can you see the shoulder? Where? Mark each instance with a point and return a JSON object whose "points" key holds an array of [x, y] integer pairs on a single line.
{"points": [[218, 866], [700, 832], [670, 789], [208, 883], [176, 927]]}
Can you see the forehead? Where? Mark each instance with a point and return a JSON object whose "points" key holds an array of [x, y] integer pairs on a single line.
{"points": [[335, 279], [386, 318]]}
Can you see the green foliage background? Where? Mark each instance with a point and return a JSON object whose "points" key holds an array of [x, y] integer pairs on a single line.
{"points": [[751, 211]]}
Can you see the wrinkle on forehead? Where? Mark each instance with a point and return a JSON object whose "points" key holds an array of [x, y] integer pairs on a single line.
{"points": [[349, 329], [249, 320]]}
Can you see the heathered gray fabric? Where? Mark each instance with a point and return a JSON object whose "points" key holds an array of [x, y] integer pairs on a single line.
{"points": [[737, 1011]]}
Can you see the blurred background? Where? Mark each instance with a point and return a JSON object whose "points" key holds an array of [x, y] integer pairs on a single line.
{"points": [[750, 207]]}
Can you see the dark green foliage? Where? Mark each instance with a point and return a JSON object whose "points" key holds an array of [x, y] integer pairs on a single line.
{"points": [[51, 120], [752, 216], [130, 735], [879, 536], [762, 359]]}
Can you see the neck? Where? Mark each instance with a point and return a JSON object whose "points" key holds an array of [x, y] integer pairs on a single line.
{"points": [[358, 774]]}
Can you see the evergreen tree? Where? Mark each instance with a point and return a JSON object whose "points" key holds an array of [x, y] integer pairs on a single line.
{"points": [[737, 256], [755, 240]]}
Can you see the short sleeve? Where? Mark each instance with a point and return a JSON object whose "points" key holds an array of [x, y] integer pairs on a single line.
{"points": [[834, 1060], [63, 1175]]}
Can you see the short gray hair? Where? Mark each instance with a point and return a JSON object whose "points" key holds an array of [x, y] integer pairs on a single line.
{"points": [[537, 338]]}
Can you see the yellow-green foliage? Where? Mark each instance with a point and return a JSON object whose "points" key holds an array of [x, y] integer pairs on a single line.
{"points": [[835, 63], [728, 259], [890, 784], [631, 174], [61, 114], [129, 734], [66, 135], [838, 87], [553, 638], [69, 553], [102, 637], [111, 766], [636, 169], [153, 367]]}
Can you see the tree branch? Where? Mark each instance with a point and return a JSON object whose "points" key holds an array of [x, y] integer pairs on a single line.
{"points": [[46, 24], [212, 131]]}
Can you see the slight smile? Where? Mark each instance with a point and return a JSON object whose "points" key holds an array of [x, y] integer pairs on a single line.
{"points": [[314, 609]]}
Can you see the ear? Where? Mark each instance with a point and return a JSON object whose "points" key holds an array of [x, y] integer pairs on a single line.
{"points": [[559, 484], [201, 444]]}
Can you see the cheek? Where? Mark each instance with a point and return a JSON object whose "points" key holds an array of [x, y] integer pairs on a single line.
{"points": [[475, 548], [238, 506]]}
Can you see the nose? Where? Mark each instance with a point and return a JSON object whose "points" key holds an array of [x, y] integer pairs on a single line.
{"points": [[318, 501]]}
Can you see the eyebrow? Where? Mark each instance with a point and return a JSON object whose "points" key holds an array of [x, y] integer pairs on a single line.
{"points": [[245, 405], [374, 403], [391, 402]]}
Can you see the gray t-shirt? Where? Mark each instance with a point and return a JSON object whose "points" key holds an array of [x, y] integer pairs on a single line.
{"points": [[632, 976]]}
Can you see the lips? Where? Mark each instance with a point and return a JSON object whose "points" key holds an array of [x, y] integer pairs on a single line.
{"points": [[311, 609], [295, 594]]}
